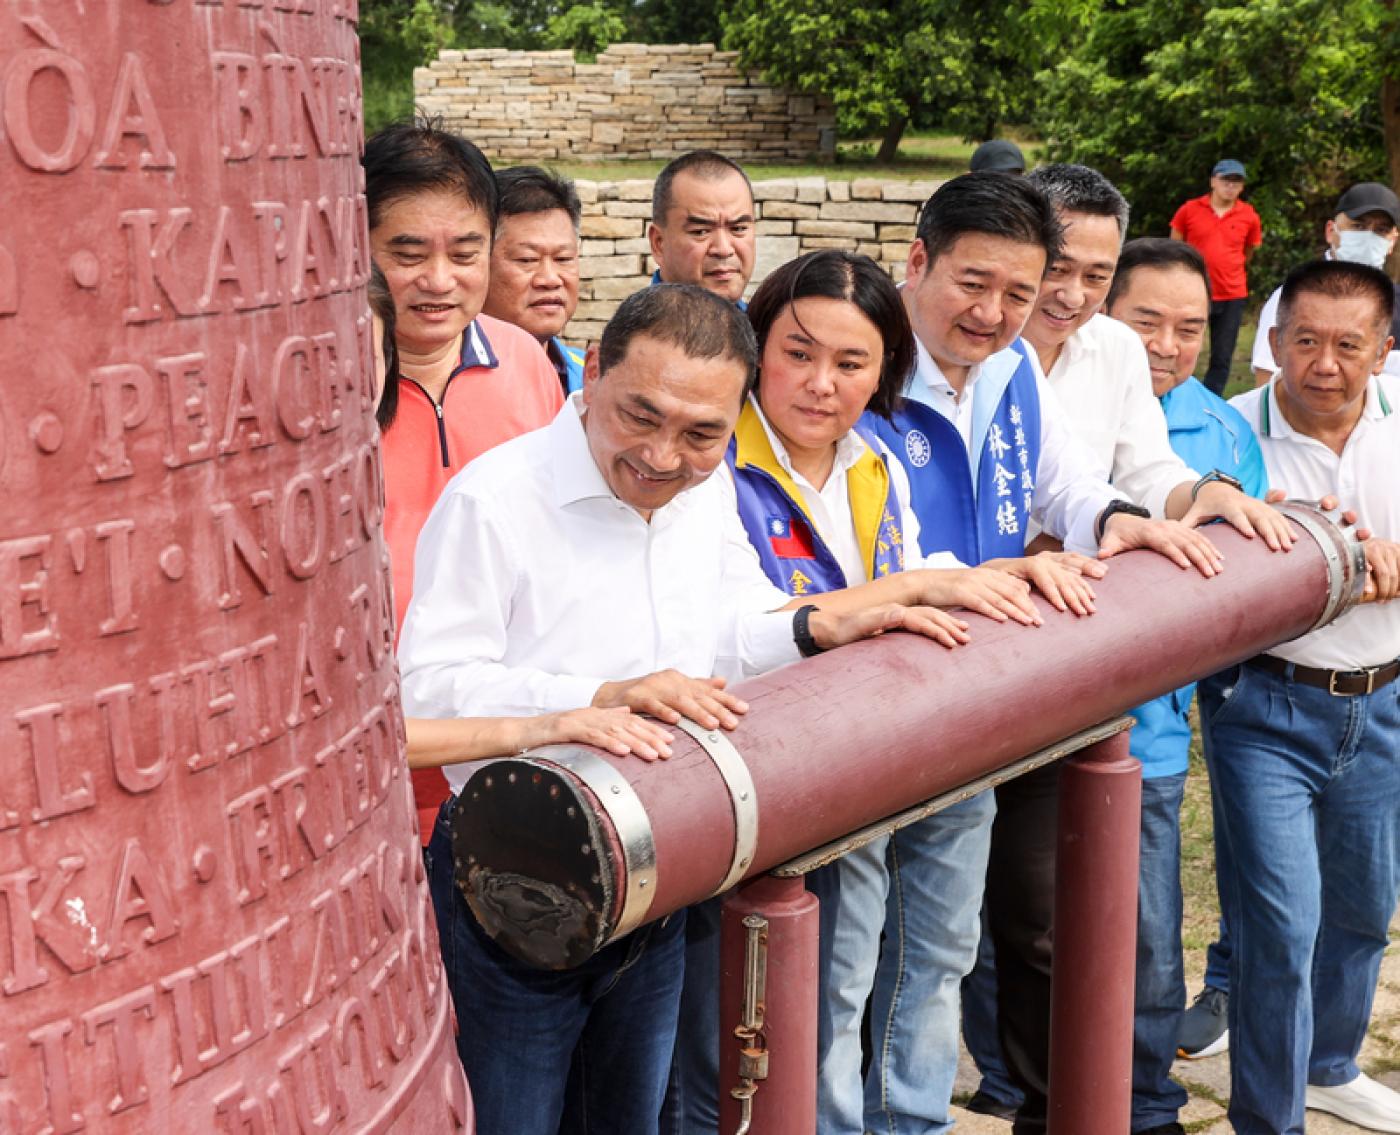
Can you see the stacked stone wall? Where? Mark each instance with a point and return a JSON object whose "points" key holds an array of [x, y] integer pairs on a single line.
{"points": [[637, 101], [795, 215]]}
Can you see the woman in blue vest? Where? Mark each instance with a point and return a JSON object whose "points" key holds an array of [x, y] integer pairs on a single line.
{"points": [[826, 508]]}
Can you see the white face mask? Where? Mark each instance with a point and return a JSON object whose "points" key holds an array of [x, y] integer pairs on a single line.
{"points": [[1362, 247]]}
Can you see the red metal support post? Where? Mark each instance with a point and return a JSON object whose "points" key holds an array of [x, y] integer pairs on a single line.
{"points": [[1096, 887], [768, 989]]}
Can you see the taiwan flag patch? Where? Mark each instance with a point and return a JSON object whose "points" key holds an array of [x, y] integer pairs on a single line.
{"points": [[790, 538]]}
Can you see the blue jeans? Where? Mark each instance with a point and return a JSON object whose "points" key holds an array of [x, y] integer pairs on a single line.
{"points": [[1306, 790], [1218, 952], [936, 872], [1159, 992], [577, 1052], [979, 1016]]}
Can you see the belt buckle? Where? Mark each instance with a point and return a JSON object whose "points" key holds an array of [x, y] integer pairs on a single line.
{"points": [[1369, 671]]}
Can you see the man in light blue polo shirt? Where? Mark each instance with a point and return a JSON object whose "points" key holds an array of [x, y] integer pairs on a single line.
{"points": [[1162, 291]]}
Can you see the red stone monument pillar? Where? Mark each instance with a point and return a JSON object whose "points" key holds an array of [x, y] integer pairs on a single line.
{"points": [[213, 916]]}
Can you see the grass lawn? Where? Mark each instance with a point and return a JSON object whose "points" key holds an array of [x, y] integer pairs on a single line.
{"points": [[926, 155]]}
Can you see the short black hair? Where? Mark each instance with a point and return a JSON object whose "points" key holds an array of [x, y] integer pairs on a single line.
{"points": [[530, 189], [1155, 252], [418, 156], [710, 165], [697, 321], [840, 275], [993, 204], [1079, 189], [381, 302], [1338, 279]]}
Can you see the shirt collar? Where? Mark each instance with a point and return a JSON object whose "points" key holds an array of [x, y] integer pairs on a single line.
{"points": [[1083, 342], [928, 375], [1272, 423], [476, 349], [576, 475], [741, 304]]}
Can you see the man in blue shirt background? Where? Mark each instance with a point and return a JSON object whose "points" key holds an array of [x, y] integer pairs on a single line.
{"points": [[1161, 290]]}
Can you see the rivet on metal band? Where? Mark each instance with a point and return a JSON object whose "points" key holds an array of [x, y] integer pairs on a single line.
{"points": [[1343, 553], [742, 797], [630, 821]]}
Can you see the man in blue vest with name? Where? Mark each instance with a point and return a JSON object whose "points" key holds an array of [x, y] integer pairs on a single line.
{"points": [[987, 450]]}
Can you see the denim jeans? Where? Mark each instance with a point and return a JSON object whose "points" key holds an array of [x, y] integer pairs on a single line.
{"points": [[936, 872], [1159, 993], [576, 1052], [979, 1029], [1306, 790], [1218, 952]]}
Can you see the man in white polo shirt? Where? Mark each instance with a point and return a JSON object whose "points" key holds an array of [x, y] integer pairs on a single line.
{"points": [[1303, 743], [594, 562]]}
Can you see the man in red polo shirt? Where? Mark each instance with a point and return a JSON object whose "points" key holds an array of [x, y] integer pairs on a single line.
{"points": [[1227, 231]]}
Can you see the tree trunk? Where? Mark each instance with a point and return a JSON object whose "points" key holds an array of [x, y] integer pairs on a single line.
{"points": [[1390, 122], [889, 142]]}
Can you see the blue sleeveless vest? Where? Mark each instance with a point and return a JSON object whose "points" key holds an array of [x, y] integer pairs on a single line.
{"points": [[793, 555], [974, 505]]}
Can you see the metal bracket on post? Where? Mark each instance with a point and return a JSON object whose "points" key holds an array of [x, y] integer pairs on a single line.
{"points": [[753, 1046], [742, 796]]}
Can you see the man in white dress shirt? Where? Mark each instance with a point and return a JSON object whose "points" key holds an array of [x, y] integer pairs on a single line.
{"points": [[595, 562], [1303, 743], [1098, 369]]}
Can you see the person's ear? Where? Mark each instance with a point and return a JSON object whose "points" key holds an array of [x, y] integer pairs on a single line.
{"points": [[591, 373]]}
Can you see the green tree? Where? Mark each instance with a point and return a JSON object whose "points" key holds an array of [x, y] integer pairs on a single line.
{"points": [[586, 28], [967, 65], [1159, 90]]}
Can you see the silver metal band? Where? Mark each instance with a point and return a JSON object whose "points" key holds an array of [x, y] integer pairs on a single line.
{"points": [[742, 797], [1343, 553], [630, 821]]}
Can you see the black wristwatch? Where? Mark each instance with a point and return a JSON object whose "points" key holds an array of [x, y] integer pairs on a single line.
{"points": [[802, 631], [1215, 475], [1112, 510]]}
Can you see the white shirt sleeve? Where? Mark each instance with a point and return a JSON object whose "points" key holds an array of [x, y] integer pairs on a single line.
{"points": [[1069, 493], [452, 651], [758, 632], [1262, 357], [1145, 467]]}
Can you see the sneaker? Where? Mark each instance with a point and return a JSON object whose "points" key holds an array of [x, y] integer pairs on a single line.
{"points": [[1363, 1102], [1205, 1029]]}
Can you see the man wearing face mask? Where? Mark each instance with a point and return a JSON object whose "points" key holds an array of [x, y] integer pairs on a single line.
{"points": [[1363, 231]]}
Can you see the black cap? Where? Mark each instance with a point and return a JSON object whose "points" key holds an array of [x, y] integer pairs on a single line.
{"points": [[1370, 197], [998, 155]]}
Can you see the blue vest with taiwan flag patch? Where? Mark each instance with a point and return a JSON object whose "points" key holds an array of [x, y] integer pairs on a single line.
{"points": [[793, 555], [974, 505]]}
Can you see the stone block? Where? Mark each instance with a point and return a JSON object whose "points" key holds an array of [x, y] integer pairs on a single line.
{"points": [[790, 209], [812, 243], [811, 189], [916, 191], [596, 310], [868, 211], [583, 332], [838, 190], [591, 267], [587, 191], [851, 229], [604, 227], [635, 189], [638, 244], [641, 209], [597, 247], [611, 287], [867, 189], [773, 228], [898, 232], [773, 252], [606, 133]]}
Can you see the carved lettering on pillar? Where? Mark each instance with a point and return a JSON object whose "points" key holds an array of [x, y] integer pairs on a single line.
{"points": [[211, 912]]}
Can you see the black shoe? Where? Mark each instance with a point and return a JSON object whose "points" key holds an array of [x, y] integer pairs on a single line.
{"points": [[1205, 1029], [1163, 1129], [983, 1104]]}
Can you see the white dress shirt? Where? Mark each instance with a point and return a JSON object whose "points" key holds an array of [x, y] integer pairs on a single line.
{"points": [[1104, 384], [1069, 491], [533, 585], [1364, 477]]}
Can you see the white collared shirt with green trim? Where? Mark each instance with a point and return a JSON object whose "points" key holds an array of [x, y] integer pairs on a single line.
{"points": [[1365, 477]]}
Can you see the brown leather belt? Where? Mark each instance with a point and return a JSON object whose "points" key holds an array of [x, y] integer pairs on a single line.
{"points": [[1339, 683]]}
